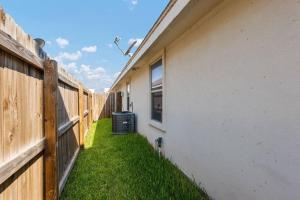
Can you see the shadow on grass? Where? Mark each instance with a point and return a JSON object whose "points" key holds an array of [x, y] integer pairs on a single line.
{"points": [[125, 167]]}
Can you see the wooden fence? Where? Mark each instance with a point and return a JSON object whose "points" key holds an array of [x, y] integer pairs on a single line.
{"points": [[44, 115], [104, 105], [74, 108]]}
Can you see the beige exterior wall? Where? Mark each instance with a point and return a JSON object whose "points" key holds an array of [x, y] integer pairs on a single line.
{"points": [[232, 101]]}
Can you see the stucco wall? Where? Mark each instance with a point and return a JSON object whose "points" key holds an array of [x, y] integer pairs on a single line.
{"points": [[232, 93]]}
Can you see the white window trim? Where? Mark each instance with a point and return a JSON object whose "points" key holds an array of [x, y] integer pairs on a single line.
{"points": [[128, 83], [153, 123]]}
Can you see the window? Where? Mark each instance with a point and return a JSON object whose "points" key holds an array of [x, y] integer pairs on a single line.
{"points": [[156, 91], [128, 95]]}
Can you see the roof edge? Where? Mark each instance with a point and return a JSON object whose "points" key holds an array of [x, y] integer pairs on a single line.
{"points": [[150, 32]]}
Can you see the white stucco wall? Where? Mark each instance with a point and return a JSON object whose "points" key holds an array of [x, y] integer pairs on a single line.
{"points": [[232, 93]]}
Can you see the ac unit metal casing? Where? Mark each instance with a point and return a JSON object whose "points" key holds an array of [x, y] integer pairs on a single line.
{"points": [[123, 122]]}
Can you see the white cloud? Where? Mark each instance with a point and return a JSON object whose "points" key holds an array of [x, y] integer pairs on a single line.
{"points": [[106, 90], [109, 45], [90, 49], [49, 42], [68, 56], [92, 77], [134, 2], [92, 73], [69, 67], [62, 42], [92, 90], [138, 43]]}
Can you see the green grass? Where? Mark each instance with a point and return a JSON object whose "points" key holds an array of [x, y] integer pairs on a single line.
{"points": [[125, 167]]}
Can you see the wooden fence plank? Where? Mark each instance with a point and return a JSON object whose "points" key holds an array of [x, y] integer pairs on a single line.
{"points": [[69, 82], [90, 109], [10, 167], [85, 113], [12, 46], [68, 171], [81, 116], [21, 103], [64, 128], [50, 101], [1, 107]]}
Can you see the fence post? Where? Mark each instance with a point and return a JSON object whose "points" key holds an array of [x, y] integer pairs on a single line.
{"points": [[93, 107], [81, 116], [50, 125], [90, 109]]}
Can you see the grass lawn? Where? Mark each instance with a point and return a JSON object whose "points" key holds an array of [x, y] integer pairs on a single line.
{"points": [[125, 167]]}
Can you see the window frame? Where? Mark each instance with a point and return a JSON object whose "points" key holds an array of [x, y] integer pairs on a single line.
{"points": [[152, 122], [128, 95], [156, 89]]}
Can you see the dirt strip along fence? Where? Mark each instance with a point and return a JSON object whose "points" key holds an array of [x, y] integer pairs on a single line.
{"points": [[44, 115]]}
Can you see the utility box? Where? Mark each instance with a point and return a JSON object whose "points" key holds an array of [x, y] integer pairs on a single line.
{"points": [[123, 122]]}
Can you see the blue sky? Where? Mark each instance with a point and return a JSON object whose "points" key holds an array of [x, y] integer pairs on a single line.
{"points": [[80, 34]]}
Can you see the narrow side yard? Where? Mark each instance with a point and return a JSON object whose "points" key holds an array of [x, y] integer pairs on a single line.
{"points": [[125, 167]]}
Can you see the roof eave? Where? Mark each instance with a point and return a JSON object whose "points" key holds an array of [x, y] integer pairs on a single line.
{"points": [[178, 16], [135, 57]]}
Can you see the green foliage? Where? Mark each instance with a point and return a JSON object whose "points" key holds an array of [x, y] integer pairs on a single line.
{"points": [[125, 167]]}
